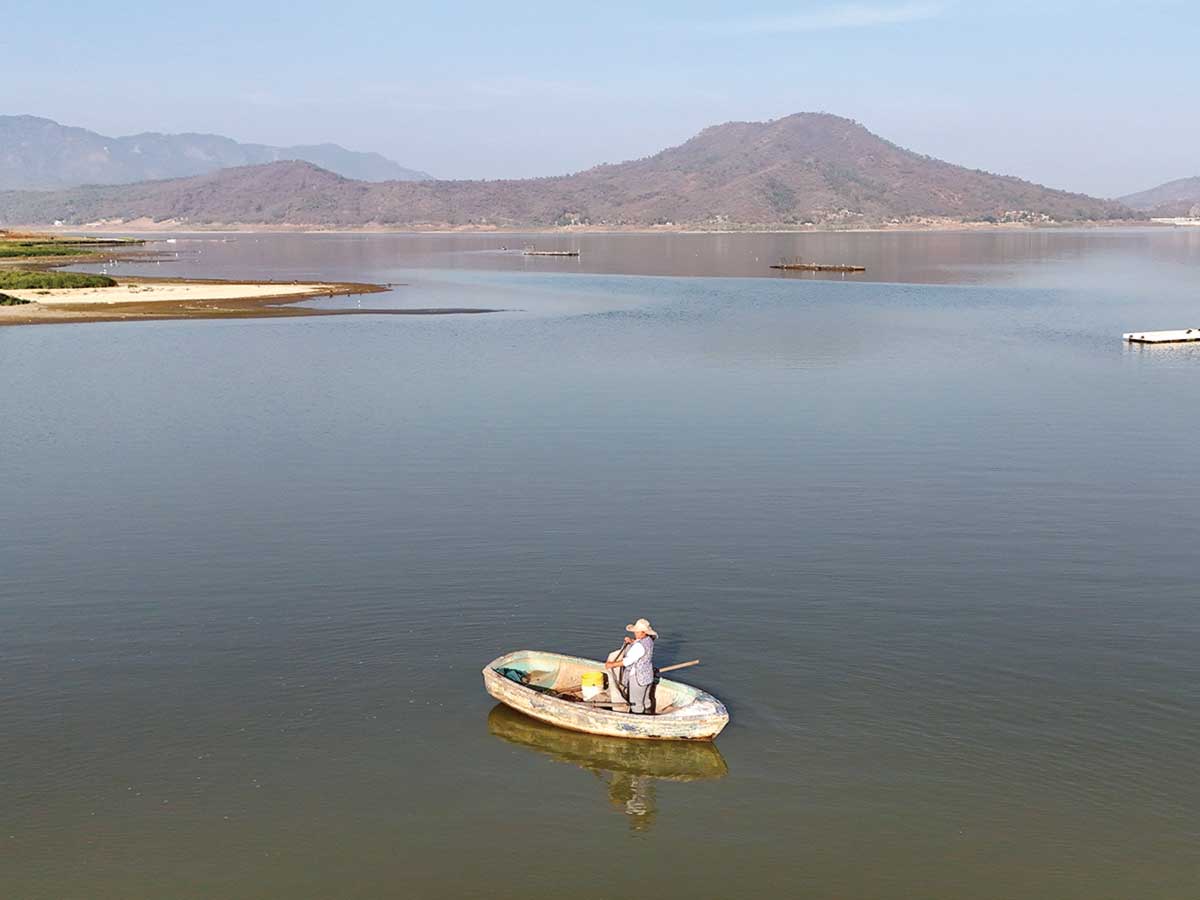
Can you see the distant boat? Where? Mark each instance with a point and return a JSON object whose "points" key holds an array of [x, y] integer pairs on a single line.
{"points": [[816, 267], [544, 685], [1178, 336], [531, 251]]}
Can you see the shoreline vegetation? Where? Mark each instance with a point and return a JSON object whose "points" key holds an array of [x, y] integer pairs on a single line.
{"points": [[24, 280], [144, 226], [36, 294], [28, 246]]}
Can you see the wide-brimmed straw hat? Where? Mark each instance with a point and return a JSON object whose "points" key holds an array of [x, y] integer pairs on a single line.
{"points": [[642, 625]]}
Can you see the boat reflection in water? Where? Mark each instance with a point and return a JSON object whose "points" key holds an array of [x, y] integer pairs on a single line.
{"points": [[630, 768]]}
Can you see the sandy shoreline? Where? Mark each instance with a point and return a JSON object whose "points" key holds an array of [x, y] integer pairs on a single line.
{"points": [[150, 299]]}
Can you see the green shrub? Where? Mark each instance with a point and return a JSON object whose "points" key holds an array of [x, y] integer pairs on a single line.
{"points": [[6, 300], [11, 249], [16, 280]]}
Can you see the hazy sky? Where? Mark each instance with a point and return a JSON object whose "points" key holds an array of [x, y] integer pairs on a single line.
{"points": [[1095, 96]]}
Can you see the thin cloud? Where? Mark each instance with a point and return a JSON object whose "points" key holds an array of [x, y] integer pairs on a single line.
{"points": [[513, 90], [515, 87], [830, 18]]}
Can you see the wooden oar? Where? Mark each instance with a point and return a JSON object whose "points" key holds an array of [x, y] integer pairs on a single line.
{"points": [[598, 704], [690, 662], [622, 689]]}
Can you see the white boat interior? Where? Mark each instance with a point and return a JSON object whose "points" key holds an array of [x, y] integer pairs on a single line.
{"points": [[555, 674]]}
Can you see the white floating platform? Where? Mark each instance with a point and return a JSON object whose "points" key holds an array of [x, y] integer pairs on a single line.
{"points": [[1163, 337]]}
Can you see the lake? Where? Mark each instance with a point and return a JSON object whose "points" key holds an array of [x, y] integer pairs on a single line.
{"points": [[932, 531]]}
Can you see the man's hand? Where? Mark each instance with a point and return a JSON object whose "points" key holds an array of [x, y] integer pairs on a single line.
{"points": [[629, 640]]}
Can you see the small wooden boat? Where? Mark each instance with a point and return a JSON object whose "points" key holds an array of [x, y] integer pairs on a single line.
{"points": [[544, 685]]}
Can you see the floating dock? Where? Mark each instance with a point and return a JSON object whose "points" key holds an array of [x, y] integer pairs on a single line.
{"points": [[1179, 336], [551, 252], [817, 267]]}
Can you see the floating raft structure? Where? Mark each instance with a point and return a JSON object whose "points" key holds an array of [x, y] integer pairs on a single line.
{"points": [[1179, 336], [533, 252], [816, 267]]}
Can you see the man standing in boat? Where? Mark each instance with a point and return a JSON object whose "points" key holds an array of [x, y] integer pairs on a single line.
{"points": [[638, 665]]}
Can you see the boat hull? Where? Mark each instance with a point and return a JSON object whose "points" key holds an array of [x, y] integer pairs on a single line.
{"points": [[670, 726]]}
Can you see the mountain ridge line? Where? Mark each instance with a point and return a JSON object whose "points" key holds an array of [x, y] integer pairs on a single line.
{"points": [[803, 170]]}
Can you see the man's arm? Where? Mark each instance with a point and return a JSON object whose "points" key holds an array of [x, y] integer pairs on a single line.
{"points": [[633, 654]]}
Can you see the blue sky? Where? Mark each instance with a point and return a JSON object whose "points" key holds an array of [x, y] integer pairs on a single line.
{"points": [[1092, 96]]}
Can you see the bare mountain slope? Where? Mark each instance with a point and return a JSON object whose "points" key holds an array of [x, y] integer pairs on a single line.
{"points": [[1177, 198], [40, 154], [806, 167]]}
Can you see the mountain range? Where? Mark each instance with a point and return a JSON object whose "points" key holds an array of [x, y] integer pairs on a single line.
{"points": [[805, 168], [40, 154], [1175, 199]]}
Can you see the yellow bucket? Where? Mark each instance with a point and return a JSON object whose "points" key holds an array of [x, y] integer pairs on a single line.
{"points": [[593, 684]]}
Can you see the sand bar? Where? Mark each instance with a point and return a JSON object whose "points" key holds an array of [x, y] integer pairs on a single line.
{"points": [[172, 292], [149, 299]]}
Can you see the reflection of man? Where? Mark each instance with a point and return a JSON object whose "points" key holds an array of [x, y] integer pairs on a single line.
{"points": [[634, 795], [638, 666]]}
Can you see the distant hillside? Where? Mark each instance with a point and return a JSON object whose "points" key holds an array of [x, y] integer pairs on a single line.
{"points": [[1175, 199], [804, 168], [41, 154]]}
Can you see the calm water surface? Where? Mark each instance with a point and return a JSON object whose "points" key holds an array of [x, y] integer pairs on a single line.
{"points": [[932, 530]]}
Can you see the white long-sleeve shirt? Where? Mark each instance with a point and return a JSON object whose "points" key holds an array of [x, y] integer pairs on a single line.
{"points": [[635, 652]]}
